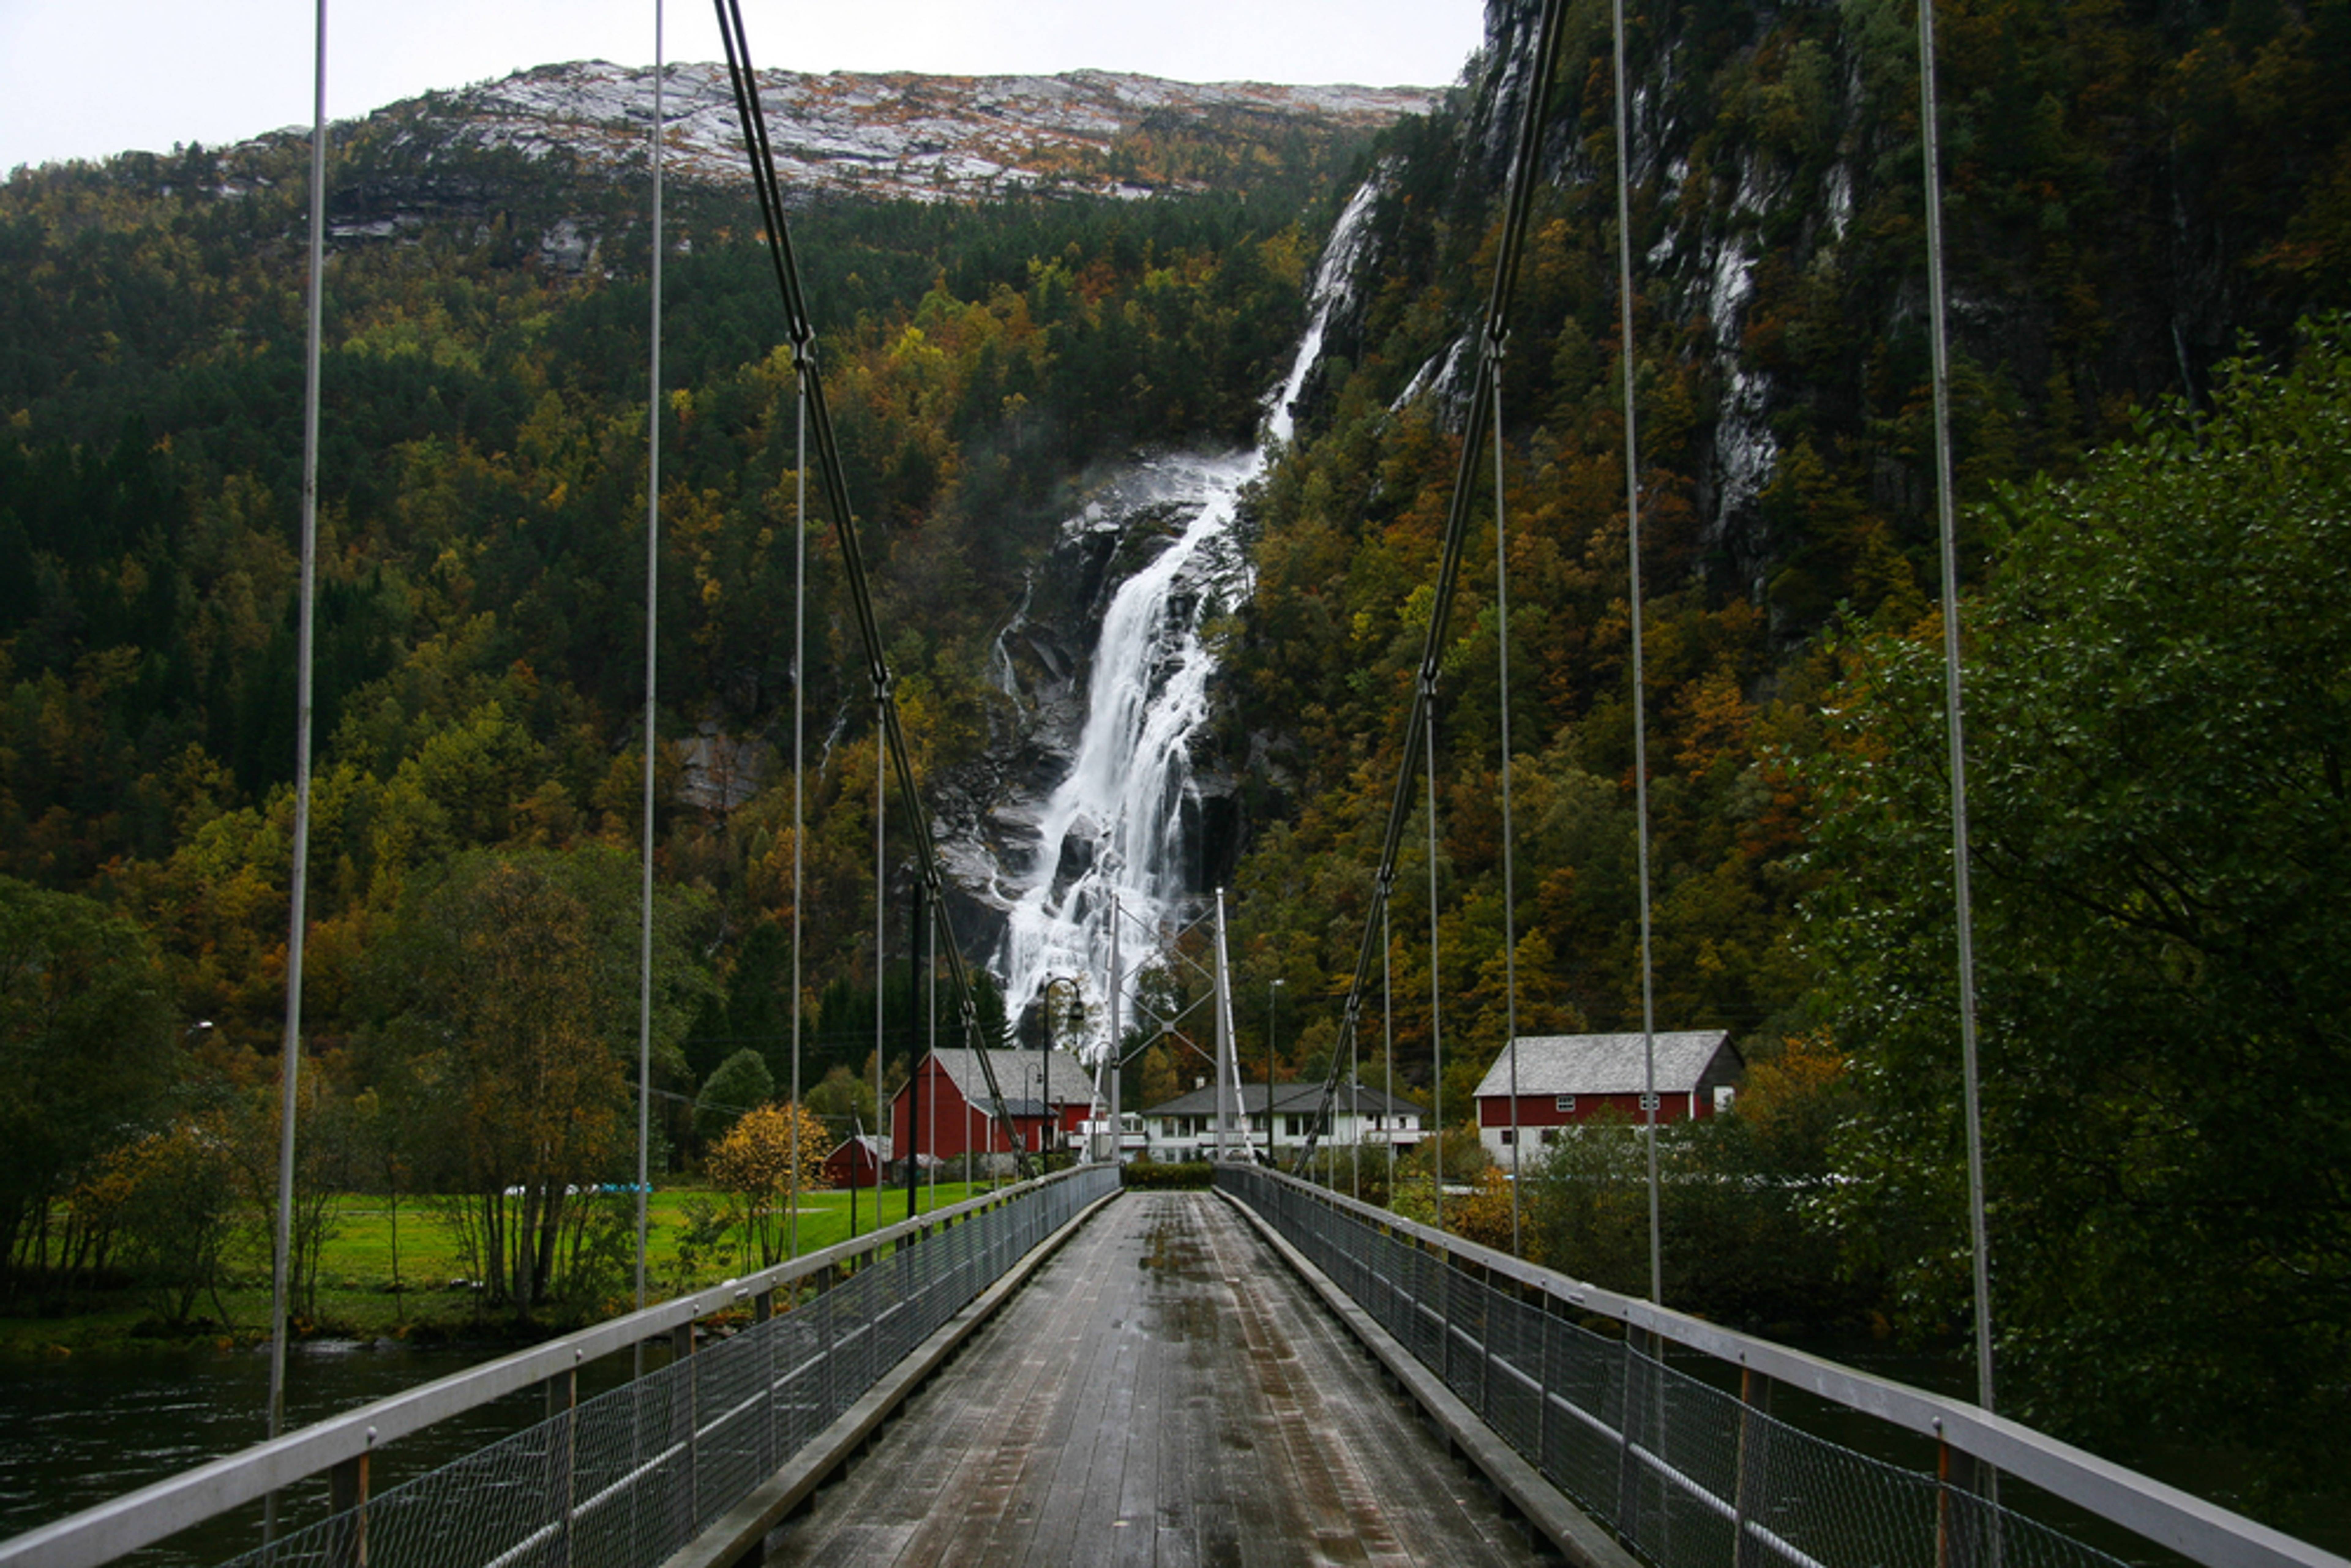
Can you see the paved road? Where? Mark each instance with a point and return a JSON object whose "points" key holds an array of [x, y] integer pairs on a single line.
{"points": [[1164, 1392]]}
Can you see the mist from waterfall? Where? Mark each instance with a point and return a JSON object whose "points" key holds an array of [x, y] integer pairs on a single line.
{"points": [[1116, 824]]}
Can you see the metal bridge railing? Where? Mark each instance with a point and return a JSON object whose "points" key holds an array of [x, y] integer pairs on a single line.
{"points": [[1685, 1471], [627, 1478]]}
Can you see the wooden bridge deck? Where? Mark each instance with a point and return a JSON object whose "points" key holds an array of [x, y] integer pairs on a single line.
{"points": [[1166, 1391]]}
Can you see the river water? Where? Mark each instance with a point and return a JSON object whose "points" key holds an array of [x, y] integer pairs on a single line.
{"points": [[76, 1431]]}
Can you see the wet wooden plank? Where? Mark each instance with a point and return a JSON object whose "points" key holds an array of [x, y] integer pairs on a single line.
{"points": [[1164, 1392]]}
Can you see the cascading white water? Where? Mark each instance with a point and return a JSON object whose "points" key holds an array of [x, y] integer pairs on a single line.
{"points": [[1115, 823]]}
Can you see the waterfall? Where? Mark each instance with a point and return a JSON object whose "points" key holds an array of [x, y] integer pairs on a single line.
{"points": [[1115, 823]]}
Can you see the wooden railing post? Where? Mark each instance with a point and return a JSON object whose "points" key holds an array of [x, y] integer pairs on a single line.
{"points": [[562, 1443], [1960, 1516], [1754, 1437], [347, 1494], [680, 1349]]}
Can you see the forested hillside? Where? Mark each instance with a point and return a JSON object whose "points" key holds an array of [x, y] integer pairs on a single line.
{"points": [[2137, 197], [479, 642]]}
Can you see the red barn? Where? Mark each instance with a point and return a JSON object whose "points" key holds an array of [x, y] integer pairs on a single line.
{"points": [[1049, 1092], [1563, 1078], [856, 1162]]}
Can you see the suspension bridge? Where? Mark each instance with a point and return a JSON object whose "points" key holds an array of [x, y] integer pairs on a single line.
{"points": [[1264, 1372]]}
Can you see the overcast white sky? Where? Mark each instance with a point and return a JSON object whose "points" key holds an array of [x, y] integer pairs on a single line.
{"points": [[84, 80]]}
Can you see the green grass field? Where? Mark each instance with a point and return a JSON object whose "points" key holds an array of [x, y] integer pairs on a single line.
{"points": [[356, 1297]]}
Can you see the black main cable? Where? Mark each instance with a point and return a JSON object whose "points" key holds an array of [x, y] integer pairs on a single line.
{"points": [[1493, 330], [746, 84]]}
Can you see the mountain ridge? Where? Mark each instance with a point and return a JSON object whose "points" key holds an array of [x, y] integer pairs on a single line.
{"points": [[898, 135]]}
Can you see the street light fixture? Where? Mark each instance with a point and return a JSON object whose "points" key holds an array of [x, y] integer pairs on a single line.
{"points": [[1045, 1049]]}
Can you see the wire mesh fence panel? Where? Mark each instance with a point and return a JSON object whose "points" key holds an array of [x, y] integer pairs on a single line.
{"points": [[1514, 1330], [1681, 1465], [1462, 1300], [629, 1478], [1685, 1472], [1582, 1446]]}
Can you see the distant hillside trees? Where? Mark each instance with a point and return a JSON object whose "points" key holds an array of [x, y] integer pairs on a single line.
{"points": [[2158, 718]]}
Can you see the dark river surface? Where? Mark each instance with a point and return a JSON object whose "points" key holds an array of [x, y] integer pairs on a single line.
{"points": [[79, 1430]]}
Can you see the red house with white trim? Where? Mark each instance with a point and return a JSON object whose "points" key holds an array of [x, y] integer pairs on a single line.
{"points": [[1048, 1094], [1564, 1079]]}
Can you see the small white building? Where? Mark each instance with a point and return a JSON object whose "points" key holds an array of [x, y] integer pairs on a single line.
{"points": [[1185, 1128]]}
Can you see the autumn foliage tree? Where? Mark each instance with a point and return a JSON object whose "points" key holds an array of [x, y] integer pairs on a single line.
{"points": [[767, 1157]]}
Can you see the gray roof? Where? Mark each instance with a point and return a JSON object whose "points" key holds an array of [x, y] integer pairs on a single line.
{"points": [[1609, 1063], [1067, 1082], [1288, 1099]]}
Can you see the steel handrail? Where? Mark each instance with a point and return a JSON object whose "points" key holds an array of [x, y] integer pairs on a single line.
{"points": [[2199, 1530]]}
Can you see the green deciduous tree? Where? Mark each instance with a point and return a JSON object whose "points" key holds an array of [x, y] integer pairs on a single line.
{"points": [[741, 1083], [514, 981], [86, 1044], [2158, 716]]}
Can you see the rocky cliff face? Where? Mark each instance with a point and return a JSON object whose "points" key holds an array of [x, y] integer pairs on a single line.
{"points": [[2112, 230], [923, 138]]}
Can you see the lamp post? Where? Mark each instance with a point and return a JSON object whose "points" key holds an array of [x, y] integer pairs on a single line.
{"points": [[1271, 992]]}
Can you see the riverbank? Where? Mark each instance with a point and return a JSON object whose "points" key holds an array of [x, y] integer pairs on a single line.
{"points": [[403, 1279]]}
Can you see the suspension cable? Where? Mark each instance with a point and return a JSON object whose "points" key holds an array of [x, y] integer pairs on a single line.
{"points": [[1533, 113], [297, 923], [836, 494], [1640, 684], [1509, 877], [1436, 969], [652, 624], [800, 727], [1979, 1231]]}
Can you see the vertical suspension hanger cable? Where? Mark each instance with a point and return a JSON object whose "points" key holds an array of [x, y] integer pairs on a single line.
{"points": [[1963, 913], [1387, 1030], [652, 624], [799, 725], [1509, 875], [881, 949], [1640, 693], [931, 1017], [1436, 969], [289, 1068]]}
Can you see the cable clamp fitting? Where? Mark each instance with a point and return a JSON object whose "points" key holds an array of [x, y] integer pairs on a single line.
{"points": [[1494, 342], [804, 353]]}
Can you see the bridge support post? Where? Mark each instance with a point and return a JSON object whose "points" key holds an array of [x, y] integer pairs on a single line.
{"points": [[763, 1310], [347, 1494], [1966, 1530], [1754, 1435], [1628, 1464], [681, 1344], [562, 1444]]}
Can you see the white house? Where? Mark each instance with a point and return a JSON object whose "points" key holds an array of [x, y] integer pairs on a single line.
{"points": [[1185, 1128]]}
